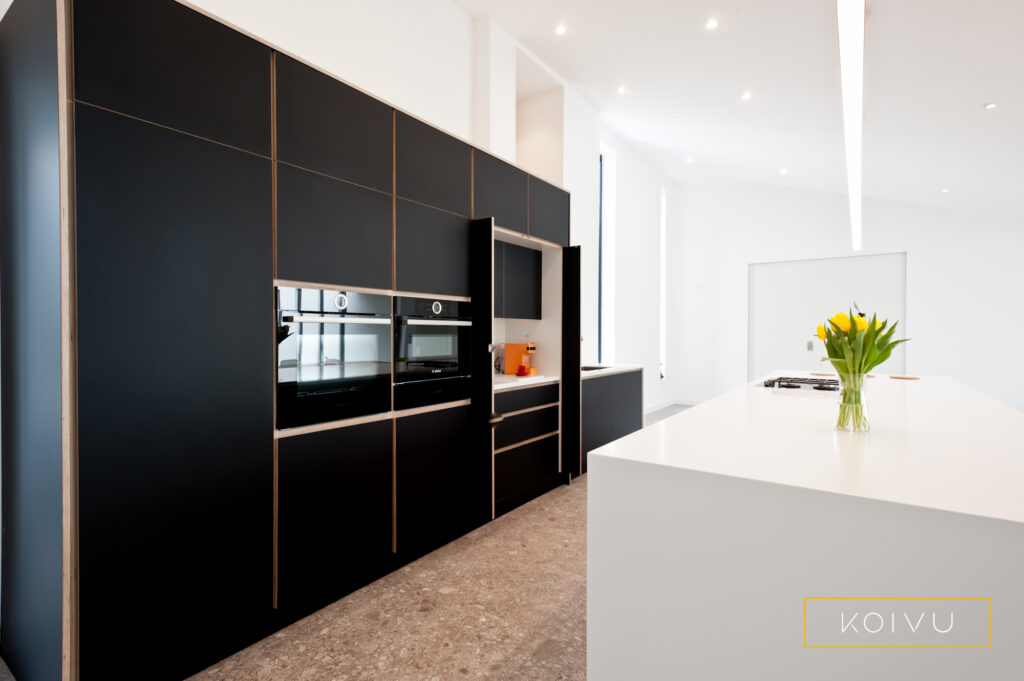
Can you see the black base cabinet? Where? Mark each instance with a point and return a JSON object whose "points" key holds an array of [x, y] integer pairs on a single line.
{"points": [[443, 480], [524, 473], [175, 444], [612, 408], [334, 514]]}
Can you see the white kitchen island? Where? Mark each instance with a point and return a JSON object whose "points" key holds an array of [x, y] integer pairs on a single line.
{"points": [[707, 532]]}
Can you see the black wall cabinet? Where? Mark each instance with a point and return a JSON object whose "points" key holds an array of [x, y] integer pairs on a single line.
{"points": [[443, 478], [612, 408], [432, 167], [331, 232], [166, 63], [432, 250], [334, 514], [524, 473], [499, 279], [499, 191], [549, 212], [329, 127], [175, 344], [521, 283]]}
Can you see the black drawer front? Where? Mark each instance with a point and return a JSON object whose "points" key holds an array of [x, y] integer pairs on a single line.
{"points": [[524, 473], [525, 426], [514, 400]]}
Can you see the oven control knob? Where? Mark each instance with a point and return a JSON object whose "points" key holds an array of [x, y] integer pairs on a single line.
{"points": [[436, 307], [341, 301]]}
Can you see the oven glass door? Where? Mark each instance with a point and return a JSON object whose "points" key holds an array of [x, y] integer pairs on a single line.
{"points": [[428, 349], [332, 367]]}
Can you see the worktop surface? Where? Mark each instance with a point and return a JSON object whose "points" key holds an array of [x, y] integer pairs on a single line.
{"points": [[933, 443]]}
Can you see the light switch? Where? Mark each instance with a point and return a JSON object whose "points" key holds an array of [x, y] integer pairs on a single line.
{"points": [[810, 346]]}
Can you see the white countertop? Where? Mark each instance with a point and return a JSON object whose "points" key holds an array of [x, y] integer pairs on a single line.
{"points": [[934, 443], [508, 381], [609, 369]]}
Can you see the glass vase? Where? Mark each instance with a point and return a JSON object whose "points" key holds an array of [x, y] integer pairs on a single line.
{"points": [[853, 405]]}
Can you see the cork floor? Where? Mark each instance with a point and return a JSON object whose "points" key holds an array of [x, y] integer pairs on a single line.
{"points": [[507, 601]]}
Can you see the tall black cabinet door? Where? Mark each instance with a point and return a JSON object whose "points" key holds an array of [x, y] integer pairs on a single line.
{"points": [[499, 279], [443, 478], [331, 232], [163, 62], [499, 191], [549, 212], [431, 167], [334, 514], [175, 360], [327, 126], [523, 272], [431, 251]]}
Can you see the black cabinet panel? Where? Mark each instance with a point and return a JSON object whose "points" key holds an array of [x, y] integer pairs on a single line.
{"points": [[499, 191], [524, 473], [331, 232], [443, 476], [432, 251], [175, 349], [499, 279], [524, 398], [626, 393], [523, 284], [166, 63], [549, 212], [596, 414], [525, 426], [431, 167], [334, 514], [329, 127]]}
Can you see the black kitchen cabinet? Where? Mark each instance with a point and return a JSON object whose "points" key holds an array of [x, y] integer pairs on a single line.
{"points": [[525, 398], [431, 167], [331, 232], [612, 407], [626, 403], [431, 250], [520, 427], [175, 447], [327, 126], [524, 473], [499, 279], [549, 212], [443, 478], [334, 514], [499, 191], [163, 62], [522, 282]]}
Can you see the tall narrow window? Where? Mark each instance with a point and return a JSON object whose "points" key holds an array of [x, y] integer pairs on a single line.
{"points": [[606, 315], [663, 289]]}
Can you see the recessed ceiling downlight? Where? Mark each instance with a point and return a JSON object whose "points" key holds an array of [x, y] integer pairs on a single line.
{"points": [[783, 171], [990, 106], [746, 96], [621, 90], [711, 24], [689, 159], [560, 29], [944, 190]]}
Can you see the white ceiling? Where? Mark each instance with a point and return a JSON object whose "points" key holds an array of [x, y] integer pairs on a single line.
{"points": [[930, 66]]}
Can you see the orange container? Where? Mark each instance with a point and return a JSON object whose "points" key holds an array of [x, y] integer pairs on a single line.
{"points": [[514, 356]]}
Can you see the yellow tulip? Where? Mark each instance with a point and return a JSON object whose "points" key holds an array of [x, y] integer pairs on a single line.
{"points": [[821, 331], [861, 323], [878, 324], [842, 321]]}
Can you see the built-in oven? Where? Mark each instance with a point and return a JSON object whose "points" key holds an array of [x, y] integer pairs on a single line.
{"points": [[333, 355], [432, 346]]}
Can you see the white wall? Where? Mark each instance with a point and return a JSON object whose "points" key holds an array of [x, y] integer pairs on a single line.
{"points": [[539, 123], [637, 290], [963, 279], [414, 54], [494, 82]]}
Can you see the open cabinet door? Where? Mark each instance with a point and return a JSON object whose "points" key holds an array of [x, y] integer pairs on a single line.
{"points": [[481, 285], [571, 415]]}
